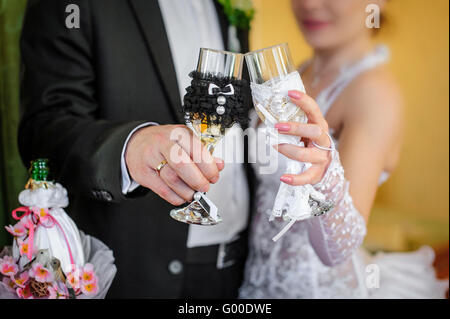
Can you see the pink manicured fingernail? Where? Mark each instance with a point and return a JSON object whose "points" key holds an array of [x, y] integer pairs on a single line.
{"points": [[284, 127], [296, 95], [286, 179]]}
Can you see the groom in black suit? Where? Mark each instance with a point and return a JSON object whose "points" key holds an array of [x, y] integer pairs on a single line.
{"points": [[84, 91]]}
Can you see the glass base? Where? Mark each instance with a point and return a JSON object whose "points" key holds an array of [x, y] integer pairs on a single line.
{"points": [[195, 214]]}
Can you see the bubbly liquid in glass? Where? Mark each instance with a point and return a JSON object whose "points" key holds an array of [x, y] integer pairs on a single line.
{"points": [[209, 134]]}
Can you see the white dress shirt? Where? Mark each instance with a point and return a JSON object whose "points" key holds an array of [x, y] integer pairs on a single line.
{"points": [[190, 25]]}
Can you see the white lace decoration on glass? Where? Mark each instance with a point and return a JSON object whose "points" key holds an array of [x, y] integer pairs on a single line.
{"points": [[272, 76]]}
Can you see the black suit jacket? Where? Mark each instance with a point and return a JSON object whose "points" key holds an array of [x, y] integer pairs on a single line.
{"points": [[83, 91]]}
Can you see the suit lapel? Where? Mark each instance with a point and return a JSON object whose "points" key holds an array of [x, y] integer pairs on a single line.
{"points": [[223, 22], [150, 20], [151, 23]]}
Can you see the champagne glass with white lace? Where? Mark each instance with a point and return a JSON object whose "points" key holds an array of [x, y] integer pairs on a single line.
{"points": [[212, 103], [272, 75]]}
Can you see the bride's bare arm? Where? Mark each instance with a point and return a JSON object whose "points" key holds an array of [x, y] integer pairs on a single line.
{"points": [[370, 135]]}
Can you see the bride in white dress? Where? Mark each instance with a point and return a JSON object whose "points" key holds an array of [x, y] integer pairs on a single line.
{"points": [[360, 106]]}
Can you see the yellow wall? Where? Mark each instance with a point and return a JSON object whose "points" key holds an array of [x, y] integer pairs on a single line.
{"points": [[413, 206]]}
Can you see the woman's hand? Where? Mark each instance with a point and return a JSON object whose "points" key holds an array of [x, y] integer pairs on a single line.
{"points": [[314, 131]]}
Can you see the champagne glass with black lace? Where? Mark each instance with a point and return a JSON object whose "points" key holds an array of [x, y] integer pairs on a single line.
{"points": [[213, 102]]}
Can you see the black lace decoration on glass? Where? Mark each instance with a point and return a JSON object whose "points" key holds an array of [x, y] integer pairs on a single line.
{"points": [[216, 100]]}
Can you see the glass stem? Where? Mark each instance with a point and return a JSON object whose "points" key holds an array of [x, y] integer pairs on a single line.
{"points": [[210, 147]]}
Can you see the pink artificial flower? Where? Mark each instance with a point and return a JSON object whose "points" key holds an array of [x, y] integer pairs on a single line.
{"points": [[24, 293], [73, 279], [90, 288], [22, 279], [54, 292], [24, 247], [9, 283], [40, 273], [8, 266], [18, 230], [87, 274]]}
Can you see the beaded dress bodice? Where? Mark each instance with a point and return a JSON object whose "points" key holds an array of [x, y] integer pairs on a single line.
{"points": [[316, 258]]}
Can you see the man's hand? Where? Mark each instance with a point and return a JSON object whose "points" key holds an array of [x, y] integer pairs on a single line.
{"points": [[190, 167]]}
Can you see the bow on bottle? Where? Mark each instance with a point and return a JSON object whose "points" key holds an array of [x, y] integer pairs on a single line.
{"points": [[214, 89], [38, 217]]}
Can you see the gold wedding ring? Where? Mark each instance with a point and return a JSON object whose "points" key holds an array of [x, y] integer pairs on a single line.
{"points": [[160, 166]]}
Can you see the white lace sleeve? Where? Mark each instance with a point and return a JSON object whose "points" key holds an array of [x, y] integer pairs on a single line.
{"points": [[336, 234]]}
